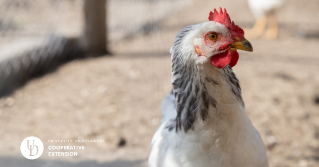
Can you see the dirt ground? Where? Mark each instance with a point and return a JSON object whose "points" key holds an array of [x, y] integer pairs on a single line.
{"points": [[117, 98]]}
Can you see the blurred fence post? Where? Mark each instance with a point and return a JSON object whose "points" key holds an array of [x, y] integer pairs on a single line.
{"points": [[94, 37]]}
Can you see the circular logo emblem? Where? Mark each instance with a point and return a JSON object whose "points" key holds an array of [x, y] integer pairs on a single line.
{"points": [[31, 147]]}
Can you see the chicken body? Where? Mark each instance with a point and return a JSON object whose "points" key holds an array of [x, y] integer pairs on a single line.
{"points": [[264, 8], [204, 122], [227, 139]]}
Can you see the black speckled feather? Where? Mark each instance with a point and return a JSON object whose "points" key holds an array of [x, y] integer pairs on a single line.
{"points": [[191, 96]]}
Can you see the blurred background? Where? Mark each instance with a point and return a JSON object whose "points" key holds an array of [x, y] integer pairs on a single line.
{"points": [[55, 85]]}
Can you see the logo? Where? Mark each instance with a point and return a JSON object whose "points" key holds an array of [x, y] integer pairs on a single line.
{"points": [[31, 147]]}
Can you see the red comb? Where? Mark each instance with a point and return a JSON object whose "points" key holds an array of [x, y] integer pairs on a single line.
{"points": [[223, 18]]}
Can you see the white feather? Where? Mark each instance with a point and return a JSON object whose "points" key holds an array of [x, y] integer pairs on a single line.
{"points": [[261, 8]]}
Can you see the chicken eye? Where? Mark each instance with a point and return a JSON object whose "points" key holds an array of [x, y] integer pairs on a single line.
{"points": [[212, 36]]}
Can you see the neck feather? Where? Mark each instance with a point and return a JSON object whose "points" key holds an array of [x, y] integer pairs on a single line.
{"points": [[201, 92]]}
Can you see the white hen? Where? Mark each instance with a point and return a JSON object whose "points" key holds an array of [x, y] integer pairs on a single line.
{"points": [[204, 121], [265, 13]]}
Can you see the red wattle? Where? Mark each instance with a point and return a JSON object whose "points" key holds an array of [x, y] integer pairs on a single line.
{"points": [[227, 58], [234, 59], [222, 60]]}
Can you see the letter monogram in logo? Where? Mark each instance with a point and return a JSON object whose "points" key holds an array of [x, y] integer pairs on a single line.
{"points": [[31, 147]]}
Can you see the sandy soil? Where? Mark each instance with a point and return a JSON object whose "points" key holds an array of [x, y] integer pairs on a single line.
{"points": [[117, 99]]}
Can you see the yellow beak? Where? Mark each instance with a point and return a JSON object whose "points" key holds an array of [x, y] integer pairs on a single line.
{"points": [[244, 44]]}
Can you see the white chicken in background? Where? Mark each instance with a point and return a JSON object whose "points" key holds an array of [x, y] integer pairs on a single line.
{"points": [[204, 121], [265, 14]]}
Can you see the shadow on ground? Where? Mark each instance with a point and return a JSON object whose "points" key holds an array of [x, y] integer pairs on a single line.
{"points": [[15, 162]]}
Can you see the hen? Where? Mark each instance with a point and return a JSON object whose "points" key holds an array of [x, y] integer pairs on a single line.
{"points": [[265, 13], [204, 121]]}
